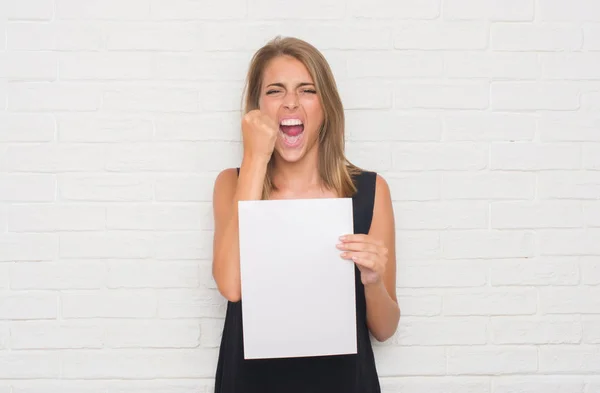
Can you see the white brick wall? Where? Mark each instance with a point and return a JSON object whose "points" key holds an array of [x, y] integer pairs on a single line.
{"points": [[116, 116]]}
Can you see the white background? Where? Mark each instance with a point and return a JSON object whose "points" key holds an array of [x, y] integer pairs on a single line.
{"points": [[116, 116]]}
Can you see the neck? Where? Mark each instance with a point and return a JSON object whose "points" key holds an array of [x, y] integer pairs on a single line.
{"points": [[296, 176]]}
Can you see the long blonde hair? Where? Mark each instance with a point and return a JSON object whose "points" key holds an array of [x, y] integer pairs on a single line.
{"points": [[334, 168]]}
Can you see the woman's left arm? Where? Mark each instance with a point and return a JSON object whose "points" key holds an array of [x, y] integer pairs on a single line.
{"points": [[375, 256]]}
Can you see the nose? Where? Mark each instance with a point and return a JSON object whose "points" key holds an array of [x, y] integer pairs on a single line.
{"points": [[291, 101]]}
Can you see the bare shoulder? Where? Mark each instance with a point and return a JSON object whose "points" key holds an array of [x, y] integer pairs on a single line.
{"points": [[225, 184], [383, 199]]}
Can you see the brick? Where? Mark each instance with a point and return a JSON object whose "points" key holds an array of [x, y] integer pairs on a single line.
{"points": [[591, 213], [475, 244], [102, 9], [440, 156], [411, 9], [420, 305], [535, 156], [28, 246], [207, 66], [529, 96], [27, 187], [372, 126], [54, 158], [195, 10], [172, 37], [538, 384], [58, 275], [448, 35], [424, 186], [396, 65], [526, 331], [498, 65], [28, 305], [579, 300], [4, 338], [569, 127], [4, 283], [590, 270], [29, 66], [150, 99], [139, 364], [30, 127], [196, 245], [569, 242], [441, 215], [571, 359], [190, 303], [511, 10], [569, 185], [172, 157], [184, 187], [59, 96], [591, 331], [442, 274], [229, 98], [590, 101], [112, 187], [103, 128], [106, 245], [227, 36], [311, 9], [374, 155], [113, 303], [193, 127], [538, 38], [526, 215], [30, 10], [553, 271], [474, 95], [55, 335], [418, 245], [489, 127], [578, 10], [491, 302], [591, 156], [160, 217], [366, 95], [593, 385], [399, 361], [571, 66], [58, 35], [106, 66], [151, 334], [29, 365], [497, 361], [435, 384], [591, 37], [211, 330], [3, 218], [79, 386], [46, 218], [152, 274], [445, 331]]}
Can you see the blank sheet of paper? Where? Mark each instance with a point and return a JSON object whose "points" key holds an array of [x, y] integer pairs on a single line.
{"points": [[298, 294]]}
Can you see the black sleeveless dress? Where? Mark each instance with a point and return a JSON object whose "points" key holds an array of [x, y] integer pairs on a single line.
{"points": [[354, 373]]}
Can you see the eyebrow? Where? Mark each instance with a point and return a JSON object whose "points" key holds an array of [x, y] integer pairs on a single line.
{"points": [[299, 84]]}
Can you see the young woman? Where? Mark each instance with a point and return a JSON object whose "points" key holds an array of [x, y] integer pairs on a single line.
{"points": [[293, 138]]}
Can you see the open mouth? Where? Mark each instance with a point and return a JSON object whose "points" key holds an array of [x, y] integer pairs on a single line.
{"points": [[291, 131]]}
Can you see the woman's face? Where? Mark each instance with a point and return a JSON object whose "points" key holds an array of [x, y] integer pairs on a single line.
{"points": [[289, 97]]}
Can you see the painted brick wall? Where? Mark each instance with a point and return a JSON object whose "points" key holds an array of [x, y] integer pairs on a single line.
{"points": [[116, 116]]}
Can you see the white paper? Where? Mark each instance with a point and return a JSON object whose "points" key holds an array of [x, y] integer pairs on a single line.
{"points": [[298, 294]]}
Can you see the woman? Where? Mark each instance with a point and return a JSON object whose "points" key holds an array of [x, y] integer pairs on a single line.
{"points": [[293, 138]]}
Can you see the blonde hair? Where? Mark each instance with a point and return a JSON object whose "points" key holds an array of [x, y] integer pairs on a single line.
{"points": [[334, 168]]}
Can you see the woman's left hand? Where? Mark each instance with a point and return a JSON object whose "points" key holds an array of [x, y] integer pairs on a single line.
{"points": [[370, 255]]}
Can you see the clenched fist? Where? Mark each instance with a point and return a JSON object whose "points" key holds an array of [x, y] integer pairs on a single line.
{"points": [[259, 134]]}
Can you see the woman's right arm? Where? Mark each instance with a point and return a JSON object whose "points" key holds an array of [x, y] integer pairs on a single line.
{"points": [[228, 190]]}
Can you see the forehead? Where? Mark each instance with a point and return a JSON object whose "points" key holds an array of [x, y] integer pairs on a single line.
{"points": [[286, 69]]}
